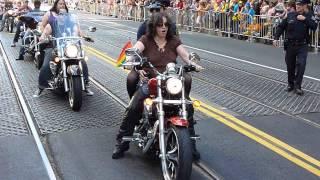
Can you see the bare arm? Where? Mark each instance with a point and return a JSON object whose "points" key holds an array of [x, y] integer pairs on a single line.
{"points": [[139, 45], [46, 32], [184, 54], [44, 21]]}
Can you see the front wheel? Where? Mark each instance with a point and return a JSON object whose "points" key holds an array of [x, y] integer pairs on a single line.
{"points": [[38, 60], [11, 26], [179, 154], [75, 92]]}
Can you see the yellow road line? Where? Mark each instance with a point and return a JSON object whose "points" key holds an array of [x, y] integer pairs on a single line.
{"points": [[101, 55], [245, 129], [265, 135], [263, 142]]}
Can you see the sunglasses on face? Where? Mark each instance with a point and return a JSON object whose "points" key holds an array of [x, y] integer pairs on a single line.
{"points": [[155, 10], [161, 25]]}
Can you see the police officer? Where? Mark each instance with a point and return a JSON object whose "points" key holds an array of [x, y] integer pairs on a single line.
{"points": [[296, 27]]}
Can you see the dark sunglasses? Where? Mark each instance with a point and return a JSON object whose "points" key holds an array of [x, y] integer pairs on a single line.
{"points": [[161, 25], [154, 10]]}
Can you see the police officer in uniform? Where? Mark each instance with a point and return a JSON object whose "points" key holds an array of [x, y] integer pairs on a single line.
{"points": [[296, 27]]}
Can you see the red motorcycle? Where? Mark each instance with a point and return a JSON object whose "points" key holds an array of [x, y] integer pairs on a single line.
{"points": [[163, 129]]}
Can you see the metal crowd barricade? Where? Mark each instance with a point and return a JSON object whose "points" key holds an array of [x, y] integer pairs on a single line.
{"points": [[315, 43], [259, 27]]}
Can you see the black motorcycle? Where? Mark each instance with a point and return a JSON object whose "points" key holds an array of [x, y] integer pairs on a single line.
{"points": [[9, 24]]}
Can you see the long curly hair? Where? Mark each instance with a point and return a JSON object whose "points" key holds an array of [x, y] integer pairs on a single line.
{"points": [[155, 20], [55, 6]]}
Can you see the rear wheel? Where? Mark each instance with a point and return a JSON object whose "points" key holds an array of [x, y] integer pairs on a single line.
{"points": [[179, 154], [75, 92]]}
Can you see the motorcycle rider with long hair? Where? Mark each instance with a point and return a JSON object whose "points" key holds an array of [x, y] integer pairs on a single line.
{"points": [[161, 47], [59, 7]]}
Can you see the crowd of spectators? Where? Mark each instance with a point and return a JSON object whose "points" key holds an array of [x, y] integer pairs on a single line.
{"points": [[245, 17]]}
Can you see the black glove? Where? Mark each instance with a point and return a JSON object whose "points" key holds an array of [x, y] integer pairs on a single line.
{"points": [[88, 39], [194, 57]]}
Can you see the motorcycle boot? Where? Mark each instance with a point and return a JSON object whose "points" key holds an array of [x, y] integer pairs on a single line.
{"points": [[38, 92], [19, 58], [88, 90], [120, 146], [132, 115], [195, 152]]}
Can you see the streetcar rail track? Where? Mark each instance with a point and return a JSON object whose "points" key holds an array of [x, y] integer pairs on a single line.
{"points": [[212, 62], [303, 119], [25, 108]]}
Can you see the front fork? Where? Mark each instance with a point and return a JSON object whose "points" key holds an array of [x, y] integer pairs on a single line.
{"points": [[162, 132], [65, 76]]}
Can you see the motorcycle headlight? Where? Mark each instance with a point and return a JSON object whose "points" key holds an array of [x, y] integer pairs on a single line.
{"points": [[10, 12], [71, 51], [174, 86]]}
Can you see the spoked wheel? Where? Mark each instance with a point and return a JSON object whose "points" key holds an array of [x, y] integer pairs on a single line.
{"points": [[179, 154], [75, 92]]}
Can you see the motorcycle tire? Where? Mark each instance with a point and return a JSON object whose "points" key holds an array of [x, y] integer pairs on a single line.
{"points": [[11, 26], [75, 92], [178, 139], [7, 26], [38, 61]]}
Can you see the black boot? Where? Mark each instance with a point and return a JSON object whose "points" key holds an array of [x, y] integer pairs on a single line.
{"points": [[119, 149], [19, 58], [131, 117], [195, 152], [120, 146]]}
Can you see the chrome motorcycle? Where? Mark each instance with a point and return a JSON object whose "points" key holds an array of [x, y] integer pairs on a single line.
{"points": [[163, 129], [67, 56], [9, 24], [30, 34]]}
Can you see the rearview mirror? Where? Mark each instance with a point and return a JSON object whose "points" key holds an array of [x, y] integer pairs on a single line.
{"points": [[132, 52], [194, 57], [92, 29]]}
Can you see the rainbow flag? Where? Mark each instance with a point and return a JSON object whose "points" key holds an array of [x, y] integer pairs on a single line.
{"points": [[122, 56]]}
